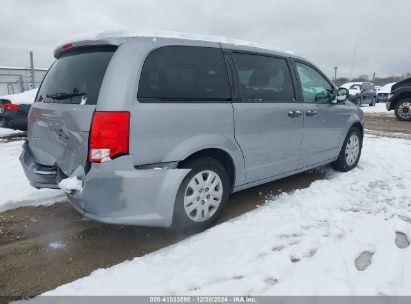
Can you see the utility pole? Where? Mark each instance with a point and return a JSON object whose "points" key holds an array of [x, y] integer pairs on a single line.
{"points": [[21, 83], [33, 80], [353, 59], [335, 73], [373, 77]]}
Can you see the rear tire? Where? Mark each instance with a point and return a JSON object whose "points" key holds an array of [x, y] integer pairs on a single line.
{"points": [[373, 102], [202, 196], [350, 152], [403, 110]]}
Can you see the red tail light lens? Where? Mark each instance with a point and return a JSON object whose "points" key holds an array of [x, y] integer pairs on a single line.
{"points": [[109, 136], [11, 107], [68, 46]]}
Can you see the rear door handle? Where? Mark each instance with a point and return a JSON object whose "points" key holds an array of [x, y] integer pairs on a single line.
{"points": [[294, 114], [311, 113]]}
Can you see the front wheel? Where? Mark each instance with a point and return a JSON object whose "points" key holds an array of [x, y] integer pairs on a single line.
{"points": [[350, 152], [202, 195], [403, 110]]}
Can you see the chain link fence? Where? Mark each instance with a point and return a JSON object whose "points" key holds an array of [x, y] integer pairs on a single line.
{"points": [[18, 80]]}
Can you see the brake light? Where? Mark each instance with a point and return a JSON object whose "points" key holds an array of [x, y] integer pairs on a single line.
{"points": [[109, 136], [11, 107], [68, 46]]}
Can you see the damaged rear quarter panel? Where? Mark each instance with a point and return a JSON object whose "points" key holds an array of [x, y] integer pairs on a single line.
{"points": [[115, 192]]}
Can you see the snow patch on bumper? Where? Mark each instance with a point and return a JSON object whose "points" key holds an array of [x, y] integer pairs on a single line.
{"points": [[71, 184]]}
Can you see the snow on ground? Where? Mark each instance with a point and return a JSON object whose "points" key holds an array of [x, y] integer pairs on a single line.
{"points": [[340, 236], [22, 98], [7, 132], [57, 245], [378, 108], [15, 190]]}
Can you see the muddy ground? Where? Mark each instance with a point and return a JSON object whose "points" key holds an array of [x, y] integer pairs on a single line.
{"points": [[44, 247], [387, 125]]}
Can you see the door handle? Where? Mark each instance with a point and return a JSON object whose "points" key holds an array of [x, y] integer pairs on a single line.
{"points": [[311, 113], [294, 114]]}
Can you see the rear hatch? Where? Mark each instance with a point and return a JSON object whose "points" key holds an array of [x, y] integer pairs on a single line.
{"points": [[60, 119]]}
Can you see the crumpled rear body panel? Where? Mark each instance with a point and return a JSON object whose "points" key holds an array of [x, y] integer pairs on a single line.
{"points": [[58, 135], [115, 192]]}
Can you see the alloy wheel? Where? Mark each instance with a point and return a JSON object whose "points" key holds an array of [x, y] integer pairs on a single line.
{"points": [[404, 110], [352, 149], [203, 196]]}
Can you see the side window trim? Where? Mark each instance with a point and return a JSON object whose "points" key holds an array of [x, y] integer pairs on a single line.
{"points": [[231, 71], [237, 94], [294, 60]]}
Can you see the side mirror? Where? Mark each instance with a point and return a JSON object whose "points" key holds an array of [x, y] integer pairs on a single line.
{"points": [[342, 94]]}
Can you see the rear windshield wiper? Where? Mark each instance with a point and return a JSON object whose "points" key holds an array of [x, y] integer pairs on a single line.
{"points": [[64, 95]]}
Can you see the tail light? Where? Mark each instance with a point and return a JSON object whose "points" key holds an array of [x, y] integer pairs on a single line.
{"points": [[109, 136], [68, 46], [11, 107]]}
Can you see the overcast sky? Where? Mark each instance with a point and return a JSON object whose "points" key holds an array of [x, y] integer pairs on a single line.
{"points": [[324, 31]]}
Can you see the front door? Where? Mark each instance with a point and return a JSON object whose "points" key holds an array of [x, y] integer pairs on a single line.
{"points": [[268, 122], [324, 121]]}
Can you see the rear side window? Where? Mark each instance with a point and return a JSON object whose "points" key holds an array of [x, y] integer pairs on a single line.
{"points": [[264, 78], [184, 73], [76, 76]]}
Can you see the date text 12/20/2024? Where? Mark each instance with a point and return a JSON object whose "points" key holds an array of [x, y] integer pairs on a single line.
{"points": [[203, 299]]}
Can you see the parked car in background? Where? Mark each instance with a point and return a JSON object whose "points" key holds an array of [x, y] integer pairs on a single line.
{"points": [[361, 93], [399, 100], [384, 91], [377, 89], [3, 102], [15, 108], [158, 131]]}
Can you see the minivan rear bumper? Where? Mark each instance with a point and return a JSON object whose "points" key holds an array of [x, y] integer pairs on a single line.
{"points": [[39, 176], [117, 193]]}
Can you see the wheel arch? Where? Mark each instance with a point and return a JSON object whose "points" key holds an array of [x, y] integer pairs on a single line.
{"points": [[222, 156], [355, 122], [401, 96], [358, 125]]}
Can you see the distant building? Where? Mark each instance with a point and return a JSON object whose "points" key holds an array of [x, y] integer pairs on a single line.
{"points": [[16, 80]]}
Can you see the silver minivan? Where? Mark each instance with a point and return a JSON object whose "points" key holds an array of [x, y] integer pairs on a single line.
{"points": [[158, 131]]}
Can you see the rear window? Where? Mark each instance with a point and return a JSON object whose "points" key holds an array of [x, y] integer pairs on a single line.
{"points": [[184, 73], [76, 76]]}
